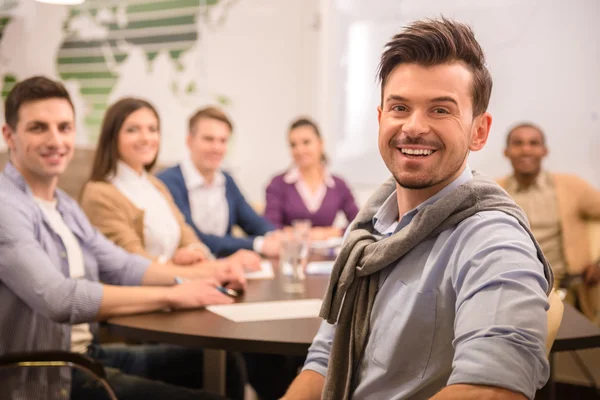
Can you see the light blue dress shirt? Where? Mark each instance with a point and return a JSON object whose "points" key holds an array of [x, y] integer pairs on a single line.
{"points": [[468, 306]]}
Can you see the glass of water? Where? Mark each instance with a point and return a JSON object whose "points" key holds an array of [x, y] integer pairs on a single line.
{"points": [[292, 262], [301, 229]]}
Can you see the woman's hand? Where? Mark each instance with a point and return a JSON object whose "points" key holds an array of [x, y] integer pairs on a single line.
{"points": [[246, 259], [188, 256]]}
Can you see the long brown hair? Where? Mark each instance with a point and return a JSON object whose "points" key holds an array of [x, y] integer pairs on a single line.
{"points": [[107, 152]]}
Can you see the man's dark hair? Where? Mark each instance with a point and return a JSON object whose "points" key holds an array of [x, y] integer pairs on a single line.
{"points": [[434, 42], [525, 125], [32, 89]]}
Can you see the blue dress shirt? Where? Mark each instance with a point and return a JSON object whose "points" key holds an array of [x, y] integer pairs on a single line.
{"points": [[466, 307]]}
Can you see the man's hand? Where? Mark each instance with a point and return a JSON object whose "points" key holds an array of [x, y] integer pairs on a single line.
{"points": [[230, 274], [188, 256], [196, 294], [592, 274], [248, 260], [271, 244]]}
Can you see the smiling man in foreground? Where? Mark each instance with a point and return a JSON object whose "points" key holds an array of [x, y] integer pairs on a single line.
{"points": [[440, 290]]}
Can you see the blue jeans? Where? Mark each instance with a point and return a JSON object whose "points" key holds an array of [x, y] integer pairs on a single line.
{"points": [[154, 372]]}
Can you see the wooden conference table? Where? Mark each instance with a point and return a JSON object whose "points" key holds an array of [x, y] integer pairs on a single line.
{"points": [[201, 328]]}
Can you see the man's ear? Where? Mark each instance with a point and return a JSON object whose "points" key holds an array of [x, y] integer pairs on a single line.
{"points": [[7, 134], [483, 123]]}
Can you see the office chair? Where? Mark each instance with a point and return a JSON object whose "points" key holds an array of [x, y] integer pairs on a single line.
{"points": [[58, 359]]}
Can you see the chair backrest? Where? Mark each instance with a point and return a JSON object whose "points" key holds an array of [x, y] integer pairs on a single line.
{"points": [[594, 235], [555, 314], [56, 359]]}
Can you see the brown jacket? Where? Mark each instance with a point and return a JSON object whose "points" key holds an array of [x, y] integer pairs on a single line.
{"points": [[578, 202], [121, 221]]}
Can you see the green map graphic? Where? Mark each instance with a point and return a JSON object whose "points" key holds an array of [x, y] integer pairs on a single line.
{"points": [[98, 35]]}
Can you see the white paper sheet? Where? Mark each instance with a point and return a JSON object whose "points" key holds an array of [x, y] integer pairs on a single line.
{"points": [[319, 268], [268, 310], [265, 272]]}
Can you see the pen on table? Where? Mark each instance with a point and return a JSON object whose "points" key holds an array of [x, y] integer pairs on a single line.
{"points": [[222, 289]]}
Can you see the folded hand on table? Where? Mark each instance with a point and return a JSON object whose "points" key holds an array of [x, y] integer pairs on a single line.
{"points": [[188, 256], [248, 260], [271, 244]]}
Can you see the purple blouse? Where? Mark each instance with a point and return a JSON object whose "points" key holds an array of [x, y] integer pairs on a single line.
{"points": [[284, 203]]}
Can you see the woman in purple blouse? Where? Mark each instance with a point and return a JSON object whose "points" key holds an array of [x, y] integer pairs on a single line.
{"points": [[308, 191]]}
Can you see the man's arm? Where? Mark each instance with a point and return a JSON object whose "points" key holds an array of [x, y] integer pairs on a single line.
{"points": [[307, 386], [250, 222], [124, 300], [223, 246], [500, 324], [28, 271], [589, 199], [472, 392]]}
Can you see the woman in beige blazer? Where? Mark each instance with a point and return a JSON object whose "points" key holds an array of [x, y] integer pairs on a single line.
{"points": [[133, 208]]}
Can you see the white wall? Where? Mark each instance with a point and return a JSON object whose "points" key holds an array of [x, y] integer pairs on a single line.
{"points": [[544, 57], [266, 58]]}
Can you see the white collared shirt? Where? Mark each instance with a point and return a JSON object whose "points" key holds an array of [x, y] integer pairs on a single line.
{"points": [[162, 233], [312, 200], [208, 201]]}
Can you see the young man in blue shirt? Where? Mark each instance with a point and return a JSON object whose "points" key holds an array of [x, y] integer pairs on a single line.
{"points": [[209, 198]]}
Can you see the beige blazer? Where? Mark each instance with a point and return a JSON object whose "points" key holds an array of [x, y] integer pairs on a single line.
{"points": [[578, 203], [121, 221]]}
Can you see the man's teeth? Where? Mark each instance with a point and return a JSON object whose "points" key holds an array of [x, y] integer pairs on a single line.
{"points": [[417, 152]]}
